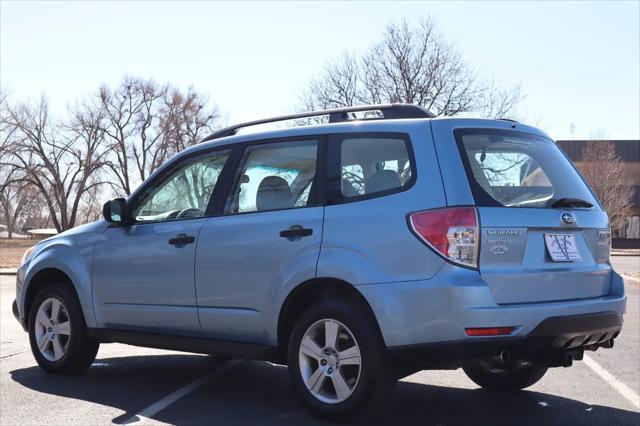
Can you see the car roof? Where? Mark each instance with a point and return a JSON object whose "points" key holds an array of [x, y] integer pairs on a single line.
{"points": [[373, 125]]}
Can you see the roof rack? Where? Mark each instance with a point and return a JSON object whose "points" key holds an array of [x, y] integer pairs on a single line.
{"points": [[336, 115]]}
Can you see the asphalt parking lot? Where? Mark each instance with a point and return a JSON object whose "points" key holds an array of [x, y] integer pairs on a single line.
{"points": [[136, 385]]}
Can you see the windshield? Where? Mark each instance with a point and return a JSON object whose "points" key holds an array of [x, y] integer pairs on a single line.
{"points": [[513, 169]]}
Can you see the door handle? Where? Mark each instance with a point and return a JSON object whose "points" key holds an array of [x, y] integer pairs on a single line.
{"points": [[181, 239], [296, 231]]}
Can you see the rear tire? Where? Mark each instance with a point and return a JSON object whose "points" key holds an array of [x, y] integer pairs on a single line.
{"points": [[338, 377], [510, 378], [57, 332]]}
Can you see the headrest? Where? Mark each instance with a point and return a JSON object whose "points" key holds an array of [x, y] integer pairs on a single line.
{"points": [[382, 180], [273, 194]]}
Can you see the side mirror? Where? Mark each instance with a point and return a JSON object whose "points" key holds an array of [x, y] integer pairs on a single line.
{"points": [[114, 211]]}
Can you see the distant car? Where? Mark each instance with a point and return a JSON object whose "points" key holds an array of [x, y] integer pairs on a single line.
{"points": [[357, 252]]}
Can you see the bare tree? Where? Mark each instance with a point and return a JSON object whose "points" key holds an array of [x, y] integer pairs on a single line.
{"points": [[410, 64], [185, 119], [60, 159], [6, 129], [35, 214], [339, 85], [15, 193], [16, 196], [90, 205], [145, 123], [499, 102], [117, 138], [607, 175], [129, 125]]}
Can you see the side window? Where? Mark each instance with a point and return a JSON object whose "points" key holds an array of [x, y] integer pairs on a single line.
{"points": [[371, 165], [185, 193], [274, 176]]}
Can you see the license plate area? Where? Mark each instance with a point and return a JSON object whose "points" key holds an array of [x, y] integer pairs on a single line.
{"points": [[562, 247]]}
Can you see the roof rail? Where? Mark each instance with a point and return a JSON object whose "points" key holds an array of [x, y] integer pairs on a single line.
{"points": [[336, 115]]}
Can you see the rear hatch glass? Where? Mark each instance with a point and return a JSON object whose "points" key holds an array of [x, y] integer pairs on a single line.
{"points": [[544, 236], [514, 169]]}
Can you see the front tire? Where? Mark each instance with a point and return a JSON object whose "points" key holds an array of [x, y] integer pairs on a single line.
{"points": [[509, 378], [335, 358], [57, 331]]}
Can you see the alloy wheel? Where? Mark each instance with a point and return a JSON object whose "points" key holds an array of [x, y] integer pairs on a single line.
{"points": [[330, 361], [52, 329]]}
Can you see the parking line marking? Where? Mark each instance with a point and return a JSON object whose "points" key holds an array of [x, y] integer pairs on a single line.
{"points": [[147, 413], [14, 354], [622, 389]]}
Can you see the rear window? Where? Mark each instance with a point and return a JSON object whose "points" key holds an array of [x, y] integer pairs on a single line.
{"points": [[513, 169], [374, 166]]}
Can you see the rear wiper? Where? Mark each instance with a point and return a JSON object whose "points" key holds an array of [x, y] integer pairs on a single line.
{"points": [[570, 202]]}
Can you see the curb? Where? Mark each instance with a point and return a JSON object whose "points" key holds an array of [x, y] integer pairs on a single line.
{"points": [[8, 271]]}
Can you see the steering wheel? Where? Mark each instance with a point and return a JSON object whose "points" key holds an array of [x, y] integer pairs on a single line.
{"points": [[189, 213]]}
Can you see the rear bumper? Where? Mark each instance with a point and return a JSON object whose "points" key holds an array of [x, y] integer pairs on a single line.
{"points": [[439, 309], [548, 343]]}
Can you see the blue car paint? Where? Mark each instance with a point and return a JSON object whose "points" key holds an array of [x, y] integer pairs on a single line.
{"points": [[70, 252], [140, 281], [233, 281], [245, 270]]}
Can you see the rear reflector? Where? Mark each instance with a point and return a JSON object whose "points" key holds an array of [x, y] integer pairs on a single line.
{"points": [[452, 232], [489, 331]]}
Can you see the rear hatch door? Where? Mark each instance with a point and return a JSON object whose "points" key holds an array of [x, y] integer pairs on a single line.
{"points": [[532, 256], [544, 235]]}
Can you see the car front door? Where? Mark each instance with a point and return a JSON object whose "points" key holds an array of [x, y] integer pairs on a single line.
{"points": [[266, 240], [143, 275]]}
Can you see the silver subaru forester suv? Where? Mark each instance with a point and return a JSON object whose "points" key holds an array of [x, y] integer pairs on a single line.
{"points": [[358, 251]]}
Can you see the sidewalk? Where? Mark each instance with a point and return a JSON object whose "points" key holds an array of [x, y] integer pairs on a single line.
{"points": [[633, 252]]}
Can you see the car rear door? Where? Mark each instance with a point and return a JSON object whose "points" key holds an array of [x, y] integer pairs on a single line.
{"points": [[544, 235], [265, 241]]}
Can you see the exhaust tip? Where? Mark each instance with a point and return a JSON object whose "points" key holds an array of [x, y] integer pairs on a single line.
{"points": [[505, 356], [607, 344]]}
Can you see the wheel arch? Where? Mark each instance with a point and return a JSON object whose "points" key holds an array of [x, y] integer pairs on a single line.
{"points": [[40, 280], [309, 292]]}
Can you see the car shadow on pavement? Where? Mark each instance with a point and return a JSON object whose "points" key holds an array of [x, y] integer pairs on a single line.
{"points": [[251, 392]]}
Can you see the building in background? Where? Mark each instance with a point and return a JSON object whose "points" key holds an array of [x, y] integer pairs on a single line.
{"points": [[629, 153]]}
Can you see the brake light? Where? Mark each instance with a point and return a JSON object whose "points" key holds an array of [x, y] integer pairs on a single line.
{"points": [[452, 232], [489, 331]]}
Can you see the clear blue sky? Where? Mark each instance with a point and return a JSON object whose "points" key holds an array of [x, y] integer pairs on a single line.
{"points": [[578, 62]]}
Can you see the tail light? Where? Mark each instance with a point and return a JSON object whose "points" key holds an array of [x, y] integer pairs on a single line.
{"points": [[452, 232]]}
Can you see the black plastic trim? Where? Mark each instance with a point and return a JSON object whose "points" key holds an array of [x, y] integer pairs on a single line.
{"points": [[570, 326], [225, 180], [188, 344], [551, 337]]}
